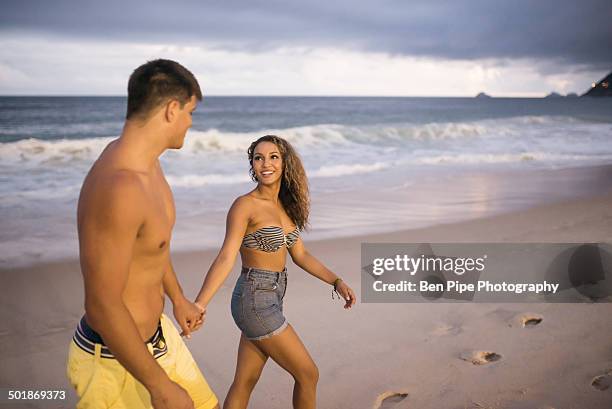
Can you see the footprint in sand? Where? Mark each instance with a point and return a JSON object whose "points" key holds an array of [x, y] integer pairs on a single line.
{"points": [[526, 320], [445, 329], [520, 405], [603, 382], [481, 357], [523, 405], [389, 400]]}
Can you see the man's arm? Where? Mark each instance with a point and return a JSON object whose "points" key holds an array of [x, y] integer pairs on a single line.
{"points": [[110, 219], [186, 313]]}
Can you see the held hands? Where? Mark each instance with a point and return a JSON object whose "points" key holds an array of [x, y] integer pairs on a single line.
{"points": [[202, 309], [346, 293], [190, 316]]}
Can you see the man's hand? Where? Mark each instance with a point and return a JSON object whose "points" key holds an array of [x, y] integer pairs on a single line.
{"points": [[170, 396], [189, 316]]}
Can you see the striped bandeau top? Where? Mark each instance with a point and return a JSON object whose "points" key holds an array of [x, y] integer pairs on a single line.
{"points": [[270, 239]]}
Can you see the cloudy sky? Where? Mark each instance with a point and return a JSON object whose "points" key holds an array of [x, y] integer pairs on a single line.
{"points": [[309, 47]]}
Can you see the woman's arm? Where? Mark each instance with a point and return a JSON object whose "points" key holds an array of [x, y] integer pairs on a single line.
{"points": [[186, 313], [307, 262], [236, 225]]}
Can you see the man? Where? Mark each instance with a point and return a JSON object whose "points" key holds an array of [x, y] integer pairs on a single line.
{"points": [[125, 352]]}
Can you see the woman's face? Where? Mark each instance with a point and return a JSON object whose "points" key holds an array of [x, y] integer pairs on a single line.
{"points": [[267, 163]]}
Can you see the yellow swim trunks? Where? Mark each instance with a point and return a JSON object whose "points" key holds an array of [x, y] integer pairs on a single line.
{"points": [[101, 382]]}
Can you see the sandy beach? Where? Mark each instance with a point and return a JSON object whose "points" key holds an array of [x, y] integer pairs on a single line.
{"points": [[450, 161], [369, 354]]}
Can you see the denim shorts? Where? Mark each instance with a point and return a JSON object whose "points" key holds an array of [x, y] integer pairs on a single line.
{"points": [[257, 302]]}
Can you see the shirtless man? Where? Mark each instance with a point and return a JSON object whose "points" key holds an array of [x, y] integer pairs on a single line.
{"points": [[125, 352]]}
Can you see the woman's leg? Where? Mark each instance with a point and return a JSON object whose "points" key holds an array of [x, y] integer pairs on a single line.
{"points": [[287, 350], [249, 365]]}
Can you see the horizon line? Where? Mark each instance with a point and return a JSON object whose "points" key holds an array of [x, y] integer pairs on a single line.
{"points": [[301, 96]]}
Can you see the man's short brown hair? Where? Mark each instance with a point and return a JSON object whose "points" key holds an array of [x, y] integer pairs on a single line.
{"points": [[155, 83]]}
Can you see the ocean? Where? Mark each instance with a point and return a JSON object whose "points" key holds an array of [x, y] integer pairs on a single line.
{"points": [[374, 164]]}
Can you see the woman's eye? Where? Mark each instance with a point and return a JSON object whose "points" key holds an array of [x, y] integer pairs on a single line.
{"points": [[274, 156]]}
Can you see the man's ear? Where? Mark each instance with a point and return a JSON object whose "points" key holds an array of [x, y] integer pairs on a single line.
{"points": [[172, 109]]}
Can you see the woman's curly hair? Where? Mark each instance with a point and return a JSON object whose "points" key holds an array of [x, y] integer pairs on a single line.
{"points": [[293, 192]]}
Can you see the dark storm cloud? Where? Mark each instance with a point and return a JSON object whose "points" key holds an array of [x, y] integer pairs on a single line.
{"points": [[572, 32]]}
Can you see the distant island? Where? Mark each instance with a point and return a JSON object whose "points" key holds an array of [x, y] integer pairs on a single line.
{"points": [[482, 95], [554, 95], [601, 89]]}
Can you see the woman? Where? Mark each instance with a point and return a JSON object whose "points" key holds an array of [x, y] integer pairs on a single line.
{"points": [[265, 225]]}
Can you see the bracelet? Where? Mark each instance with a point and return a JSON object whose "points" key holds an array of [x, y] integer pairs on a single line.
{"points": [[335, 289]]}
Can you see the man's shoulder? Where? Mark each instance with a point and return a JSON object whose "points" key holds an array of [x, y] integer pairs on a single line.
{"points": [[124, 181], [113, 188], [110, 174]]}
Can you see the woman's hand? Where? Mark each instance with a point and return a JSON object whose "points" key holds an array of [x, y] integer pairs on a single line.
{"points": [[202, 309], [188, 315], [346, 293]]}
